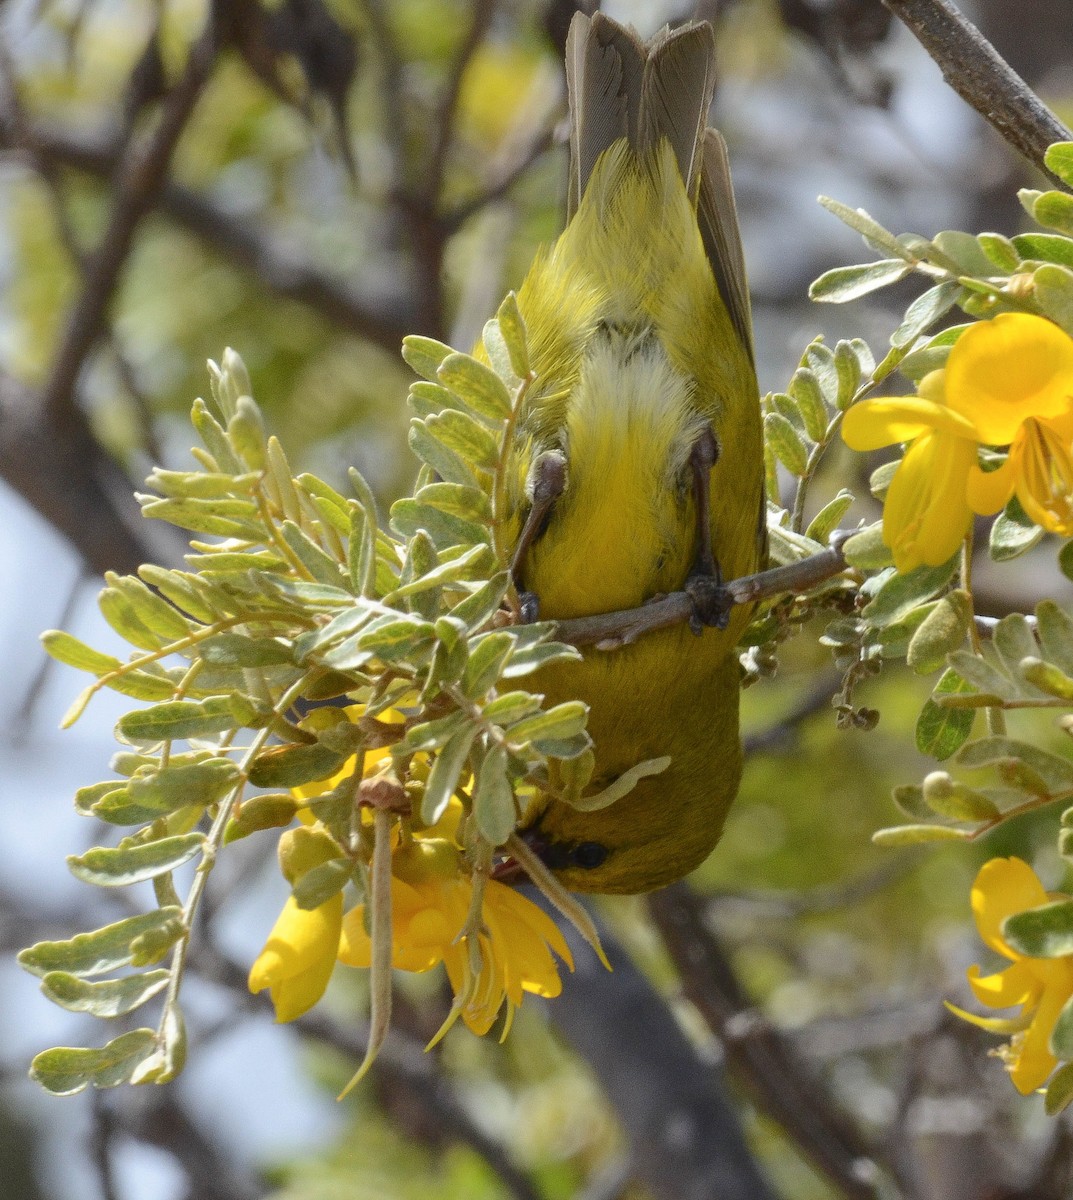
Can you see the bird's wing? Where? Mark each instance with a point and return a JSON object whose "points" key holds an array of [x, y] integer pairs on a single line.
{"points": [[717, 216]]}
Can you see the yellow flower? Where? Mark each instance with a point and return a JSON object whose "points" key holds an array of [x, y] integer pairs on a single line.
{"points": [[297, 960], [431, 896], [1041, 987], [926, 514], [1039, 470], [1003, 371]]}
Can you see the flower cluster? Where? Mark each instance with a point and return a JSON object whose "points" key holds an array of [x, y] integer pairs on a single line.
{"points": [[1008, 382], [1040, 987], [432, 903]]}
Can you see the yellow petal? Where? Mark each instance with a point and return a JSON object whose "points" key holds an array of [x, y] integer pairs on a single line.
{"points": [[1042, 458], [988, 491], [1032, 1061], [1002, 1025], [1002, 371], [1004, 886], [297, 960], [1016, 985], [883, 422], [926, 514]]}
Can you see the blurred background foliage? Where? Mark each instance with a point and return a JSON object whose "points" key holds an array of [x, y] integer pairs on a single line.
{"points": [[345, 172]]}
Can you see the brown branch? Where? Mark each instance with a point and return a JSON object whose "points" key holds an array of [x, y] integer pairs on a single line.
{"points": [[77, 486], [782, 1085], [140, 178], [282, 271], [609, 630], [981, 77]]}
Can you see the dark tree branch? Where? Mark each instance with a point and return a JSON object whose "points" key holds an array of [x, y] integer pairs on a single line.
{"points": [[764, 1063], [282, 271], [140, 177], [77, 487], [981, 77], [684, 1134]]}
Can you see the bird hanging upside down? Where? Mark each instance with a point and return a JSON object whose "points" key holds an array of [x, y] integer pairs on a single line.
{"points": [[639, 467]]}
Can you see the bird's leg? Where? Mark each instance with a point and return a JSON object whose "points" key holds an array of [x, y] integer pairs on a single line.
{"points": [[546, 483], [711, 602]]}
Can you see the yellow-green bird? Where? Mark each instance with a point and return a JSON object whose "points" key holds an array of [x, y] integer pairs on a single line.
{"points": [[639, 458]]}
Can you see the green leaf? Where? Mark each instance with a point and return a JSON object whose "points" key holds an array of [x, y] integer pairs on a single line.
{"points": [[445, 774], [805, 389], [392, 638], [940, 730], [488, 655], [1046, 677], [1053, 291], [476, 385], [900, 594], [1013, 640], [912, 835], [319, 884], [512, 330], [238, 650], [869, 228], [511, 706], [431, 735], [479, 607], [1055, 626], [786, 442], [271, 811], [447, 463], [65, 648], [494, 808], [424, 355], [1045, 247], [1059, 161], [925, 310], [470, 503], [104, 949], [1060, 1090], [989, 681], [106, 998], [842, 284], [65, 1070], [1054, 210], [866, 550], [848, 367], [409, 516], [320, 565], [1013, 532], [460, 433], [563, 721], [942, 631], [963, 251], [825, 522], [1044, 932], [132, 862], [955, 801], [178, 719], [910, 799], [1000, 251], [219, 518], [1062, 1033], [1055, 771], [294, 765]]}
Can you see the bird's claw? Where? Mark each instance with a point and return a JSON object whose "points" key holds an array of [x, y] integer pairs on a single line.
{"points": [[711, 603]]}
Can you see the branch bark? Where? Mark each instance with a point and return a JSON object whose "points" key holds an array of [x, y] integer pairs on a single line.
{"points": [[983, 78]]}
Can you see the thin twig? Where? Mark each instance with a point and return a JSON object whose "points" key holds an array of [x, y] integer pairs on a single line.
{"points": [[622, 628], [983, 78]]}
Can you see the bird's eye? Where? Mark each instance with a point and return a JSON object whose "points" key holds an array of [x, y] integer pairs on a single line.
{"points": [[589, 855]]}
